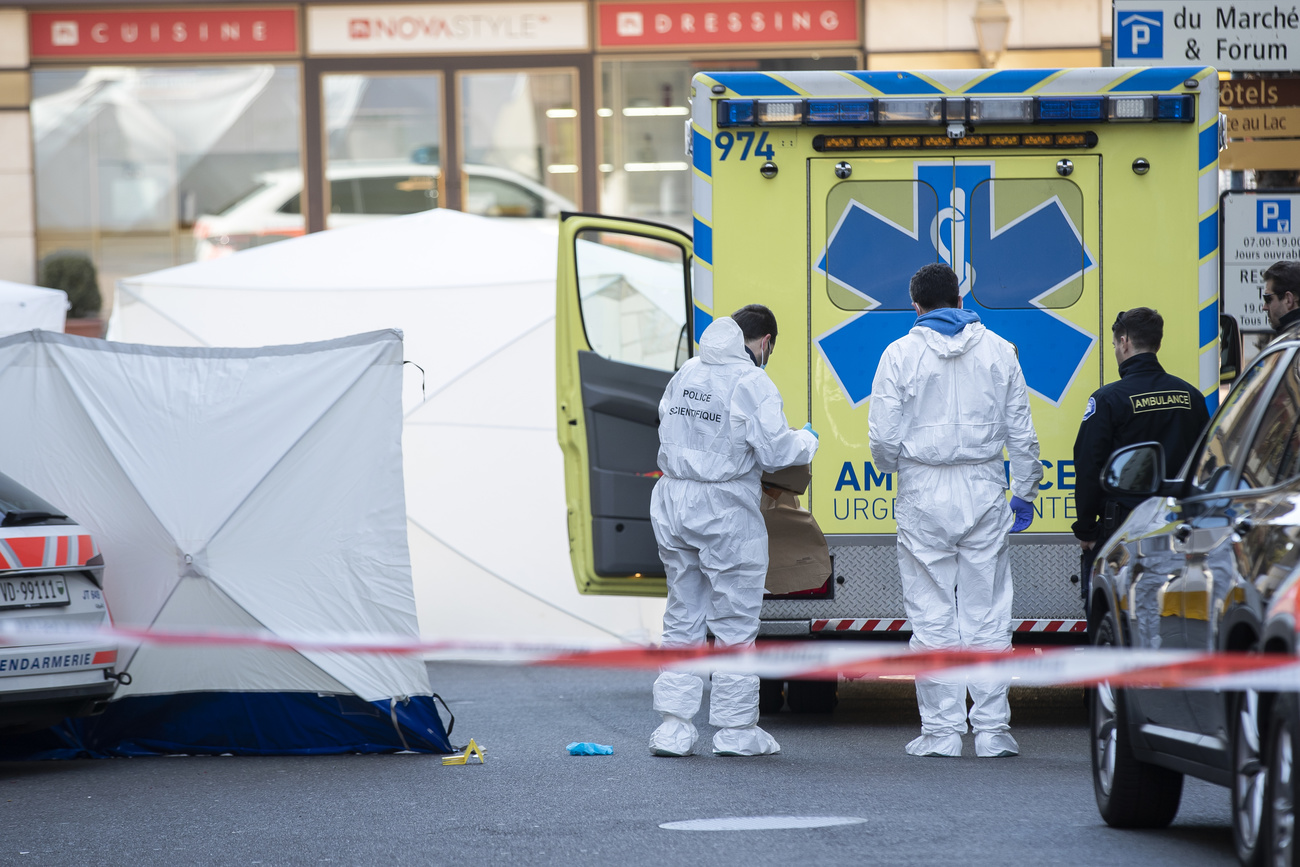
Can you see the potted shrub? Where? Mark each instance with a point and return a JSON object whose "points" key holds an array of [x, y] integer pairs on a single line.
{"points": [[74, 272]]}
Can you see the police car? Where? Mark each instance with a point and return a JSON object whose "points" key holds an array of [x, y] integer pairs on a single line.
{"points": [[1210, 562], [51, 577]]}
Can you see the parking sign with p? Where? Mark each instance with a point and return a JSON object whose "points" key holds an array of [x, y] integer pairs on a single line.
{"points": [[1273, 216], [1141, 34]]}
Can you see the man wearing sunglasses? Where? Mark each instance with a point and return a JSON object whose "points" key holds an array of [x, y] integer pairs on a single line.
{"points": [[1282, 295], [1145, 405]]}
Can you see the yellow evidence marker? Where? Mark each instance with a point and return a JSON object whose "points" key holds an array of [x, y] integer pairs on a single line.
{"points": [[472, 750]]}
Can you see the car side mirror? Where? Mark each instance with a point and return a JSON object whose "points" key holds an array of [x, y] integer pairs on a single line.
{"points": [[1135, 471]]}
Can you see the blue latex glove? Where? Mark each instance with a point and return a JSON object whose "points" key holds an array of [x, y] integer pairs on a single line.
{"points": [[1024, 514], [808, 427], [588, 749]]}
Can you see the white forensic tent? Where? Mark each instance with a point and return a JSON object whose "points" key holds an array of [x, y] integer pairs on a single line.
{"points": [[235, 490], [23, 308], [475, 299]]}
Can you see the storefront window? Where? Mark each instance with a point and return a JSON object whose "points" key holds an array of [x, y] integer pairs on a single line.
{"points": [[147, 167], [384, 145], [644, 172], [519, 133]]}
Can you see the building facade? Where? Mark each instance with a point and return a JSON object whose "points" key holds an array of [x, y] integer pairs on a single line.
{"points": [[151, 135]]}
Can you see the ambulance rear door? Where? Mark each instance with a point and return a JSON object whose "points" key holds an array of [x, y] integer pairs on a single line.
{"points": [[1022, 233], [623, 326]]}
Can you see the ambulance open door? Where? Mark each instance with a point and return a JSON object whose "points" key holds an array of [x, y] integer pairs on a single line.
{"points": [[623, 325]]}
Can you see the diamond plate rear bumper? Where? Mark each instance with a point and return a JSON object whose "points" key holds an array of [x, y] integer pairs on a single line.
{"points": [[1041, 568]]}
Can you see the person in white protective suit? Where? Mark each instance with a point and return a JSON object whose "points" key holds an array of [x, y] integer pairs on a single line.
{"points": [[947, 399], [721, 426]]}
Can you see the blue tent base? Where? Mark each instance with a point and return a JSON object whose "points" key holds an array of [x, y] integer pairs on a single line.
{"points": [[241, 724]]}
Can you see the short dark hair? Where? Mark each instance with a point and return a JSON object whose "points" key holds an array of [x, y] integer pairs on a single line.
{"points": [[755, 320], [935, 286], [1144, 327], [1286, 278]]}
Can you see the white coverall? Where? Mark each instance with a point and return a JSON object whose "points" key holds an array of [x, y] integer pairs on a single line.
{"points": [[721, 426], [943, 408]]}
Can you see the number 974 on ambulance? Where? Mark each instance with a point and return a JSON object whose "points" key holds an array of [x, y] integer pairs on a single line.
{"points": [[1059, 196]]}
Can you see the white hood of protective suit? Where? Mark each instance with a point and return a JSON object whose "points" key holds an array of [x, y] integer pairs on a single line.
{"points": [[723, 343], [946, 346], [941, 400], [721, 418]]}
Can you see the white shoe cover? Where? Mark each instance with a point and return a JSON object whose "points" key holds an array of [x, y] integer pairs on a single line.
{"points": [[674, 737], [744, 741], [943, 746], [733, 700], [678, 694], [995, 745]]}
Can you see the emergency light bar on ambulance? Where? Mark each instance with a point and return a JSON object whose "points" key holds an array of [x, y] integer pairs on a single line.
{"points": [[958, 114]]}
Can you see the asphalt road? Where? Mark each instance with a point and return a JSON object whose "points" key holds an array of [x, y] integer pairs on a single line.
{"points": [[532, 803]]}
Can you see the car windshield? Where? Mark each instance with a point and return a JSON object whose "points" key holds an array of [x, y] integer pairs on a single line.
{"points": [[1223, 445], [246, 194], [20, 506]]}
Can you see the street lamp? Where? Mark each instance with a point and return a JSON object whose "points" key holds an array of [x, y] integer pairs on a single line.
{"points": [[991, 21]]}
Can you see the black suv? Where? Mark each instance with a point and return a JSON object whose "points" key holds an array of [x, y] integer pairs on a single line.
{"points": [[1207, 563]]}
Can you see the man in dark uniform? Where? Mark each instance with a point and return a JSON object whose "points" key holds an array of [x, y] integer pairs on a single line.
{"points": [[1146, 405], [1282, 295]]}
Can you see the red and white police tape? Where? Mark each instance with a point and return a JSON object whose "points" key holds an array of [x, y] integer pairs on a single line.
{"points": [[778, 660]]}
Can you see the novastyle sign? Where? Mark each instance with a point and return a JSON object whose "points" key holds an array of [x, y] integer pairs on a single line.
{"points": [[1243, 36], [764, 22], [450, 28]]}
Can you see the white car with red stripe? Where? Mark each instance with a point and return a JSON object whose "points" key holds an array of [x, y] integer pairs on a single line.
{"points": [[50, 577]]}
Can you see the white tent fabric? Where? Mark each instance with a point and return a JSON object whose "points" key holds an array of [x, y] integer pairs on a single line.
{"points": [[232, 488], [23, 308], [475, 299]]}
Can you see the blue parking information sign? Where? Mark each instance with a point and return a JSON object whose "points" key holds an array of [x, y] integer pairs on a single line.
{"points": [[1273, 216], [1140, 35], [1230, 35], [1257, 231]]}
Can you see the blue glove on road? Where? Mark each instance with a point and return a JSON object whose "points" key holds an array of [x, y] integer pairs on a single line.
{"points": [[1024, 514], [808, 427]]}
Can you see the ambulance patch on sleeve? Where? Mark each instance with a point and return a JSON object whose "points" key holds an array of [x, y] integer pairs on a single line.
{"points": [[1092, 407]]}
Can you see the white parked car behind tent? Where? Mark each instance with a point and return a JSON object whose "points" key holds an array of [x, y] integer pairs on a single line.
{"points": [[364, 191]]}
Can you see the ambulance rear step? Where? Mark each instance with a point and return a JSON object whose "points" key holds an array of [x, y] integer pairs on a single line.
{"points": [[868, 595]]}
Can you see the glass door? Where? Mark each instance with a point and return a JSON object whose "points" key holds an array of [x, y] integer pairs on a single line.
{"points": [[519, 143], [383, 146]]}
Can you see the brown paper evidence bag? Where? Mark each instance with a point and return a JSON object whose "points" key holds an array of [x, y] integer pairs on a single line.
{"points": [[798, 558]]}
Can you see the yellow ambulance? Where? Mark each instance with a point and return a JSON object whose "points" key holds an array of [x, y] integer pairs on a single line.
{"points": [[1059, 196]]}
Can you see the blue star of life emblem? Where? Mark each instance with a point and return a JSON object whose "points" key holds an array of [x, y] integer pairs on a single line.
{"points": [[1014, 266]]}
